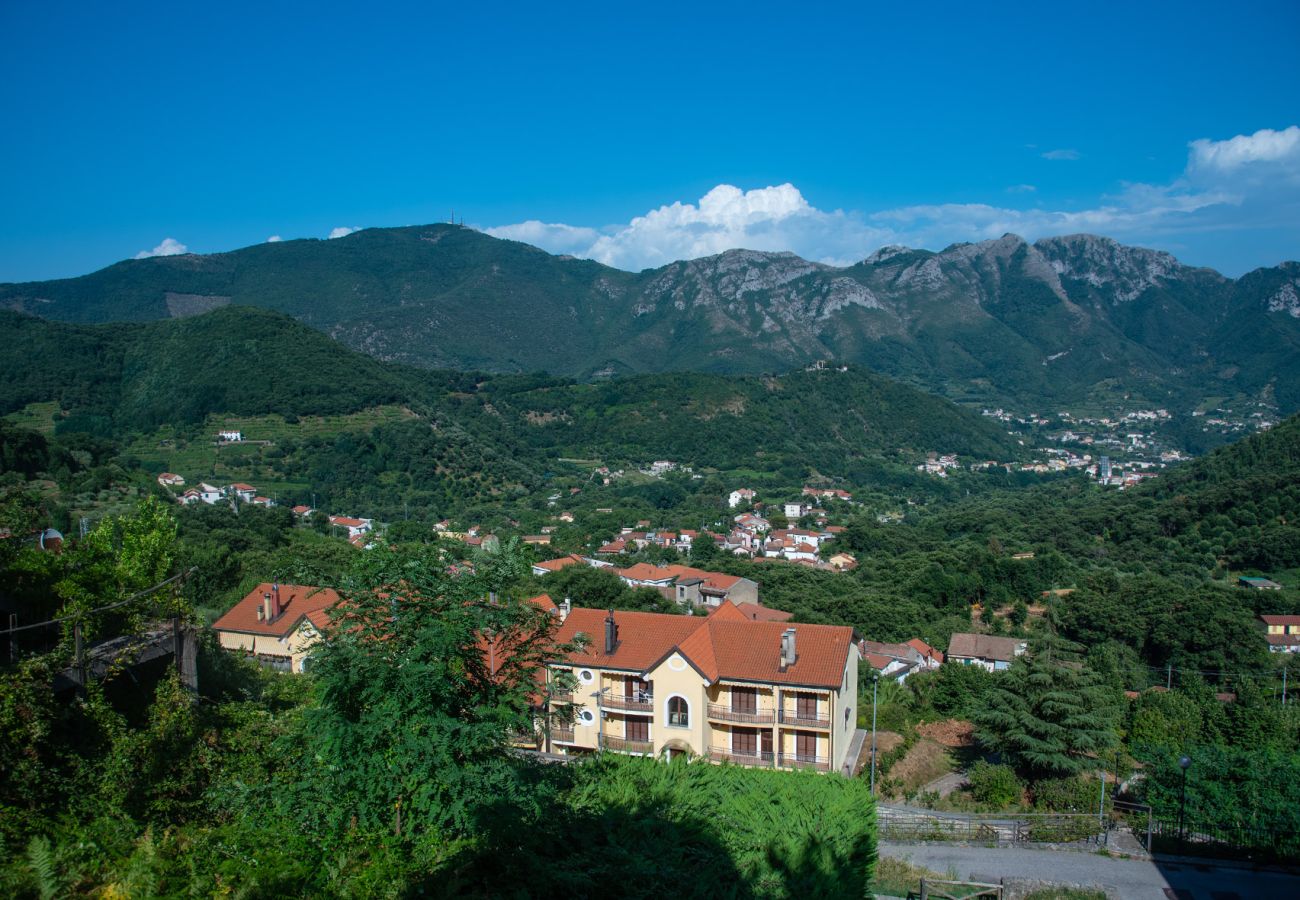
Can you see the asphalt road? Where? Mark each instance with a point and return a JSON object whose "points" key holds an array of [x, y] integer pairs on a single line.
{"points": [[1131, 878]]}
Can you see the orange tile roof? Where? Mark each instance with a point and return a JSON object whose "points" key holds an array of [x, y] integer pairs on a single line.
{"points": [[555, 565], [296, 601], [756, 613], [726, 645], [925, 649], [648, 572]]}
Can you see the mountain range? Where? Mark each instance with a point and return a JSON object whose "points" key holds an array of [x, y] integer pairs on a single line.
{"points": [[1067, 320]]}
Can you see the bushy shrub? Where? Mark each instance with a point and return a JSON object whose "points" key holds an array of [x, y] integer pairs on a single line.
{"points": [[994, 784]]}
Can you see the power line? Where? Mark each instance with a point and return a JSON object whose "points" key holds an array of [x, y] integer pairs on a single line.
{"points": [[89, 612]]}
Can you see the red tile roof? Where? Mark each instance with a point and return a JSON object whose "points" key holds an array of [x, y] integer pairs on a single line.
{"points": [[555, 565], [296, 601], [646, 572], [1280, 620], [925, 649], [726, 645], [756, 613], [347, 521]]}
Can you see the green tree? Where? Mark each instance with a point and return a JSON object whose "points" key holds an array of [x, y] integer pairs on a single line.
{"points": [[1049, 714], [425, 673]]}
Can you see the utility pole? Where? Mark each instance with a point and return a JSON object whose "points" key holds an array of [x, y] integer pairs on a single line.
{"points": [[1284, 685], [1169, 677], [875, 683]]}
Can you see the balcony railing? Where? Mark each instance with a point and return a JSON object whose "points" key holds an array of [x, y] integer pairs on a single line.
{"points": [[727, 714], [801, 761], [757, 758], [561, 695], [789, 717], [638, 703], [624, 745], [563, 735]]}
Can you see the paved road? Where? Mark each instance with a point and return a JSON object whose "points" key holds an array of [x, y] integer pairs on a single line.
{"points": [[1131, 878]]}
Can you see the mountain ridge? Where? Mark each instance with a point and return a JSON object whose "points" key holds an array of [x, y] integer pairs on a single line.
{"points": [[1075, 318]]}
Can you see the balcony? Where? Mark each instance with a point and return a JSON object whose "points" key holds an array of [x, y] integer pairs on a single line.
{"points": [[638, 703], [624, 745], [744, 717], [561, 695], [803, 761], [793, 718], [757, 758], [562, 735]]}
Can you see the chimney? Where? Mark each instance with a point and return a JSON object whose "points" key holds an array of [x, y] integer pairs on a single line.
{"points": [[611, 634], [565, 608], [266, 607], [788, 654], [275, 601]]}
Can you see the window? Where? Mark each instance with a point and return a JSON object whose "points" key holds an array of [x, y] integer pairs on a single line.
{"points": [[637, 730], [805, 746], [586, 717], [744, 699], [744, 742], [806, 706], [679, 713], [637, 690], [586, 676]]}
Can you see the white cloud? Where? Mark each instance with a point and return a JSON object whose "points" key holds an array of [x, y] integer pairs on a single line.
{"points": [[1061, 154], [1230, 192], [343, 231], [555, 238], [1264, 155], [770, 218], [168, 247], [274, 239]]}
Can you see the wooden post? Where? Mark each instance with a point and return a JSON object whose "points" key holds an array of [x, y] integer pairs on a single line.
{"points": [[13, 637]]}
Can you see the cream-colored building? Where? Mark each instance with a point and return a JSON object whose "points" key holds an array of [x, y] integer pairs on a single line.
{"points": [[724, 687], [276, 624]]}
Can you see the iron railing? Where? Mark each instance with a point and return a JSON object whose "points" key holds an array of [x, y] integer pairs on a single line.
{"points": [[756, 758], [794, 718], [640, 703], [746, 717], [805, 761], [626, 745]]}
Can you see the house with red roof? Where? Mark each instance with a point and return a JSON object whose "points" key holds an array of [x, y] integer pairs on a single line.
{"points": [[725, 687], [1282, 633], [355, 527], [276, 624], [689, 586], [546, 567]]}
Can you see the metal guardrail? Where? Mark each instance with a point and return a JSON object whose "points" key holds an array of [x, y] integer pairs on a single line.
{"points": [[908, 824], [563, 735]]}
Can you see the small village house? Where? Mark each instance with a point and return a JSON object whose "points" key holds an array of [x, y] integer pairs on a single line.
{"points": [[276, 624], [984, 650]]}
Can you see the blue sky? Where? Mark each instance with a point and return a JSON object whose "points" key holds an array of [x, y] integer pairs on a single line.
{"points": [[579, 126]]}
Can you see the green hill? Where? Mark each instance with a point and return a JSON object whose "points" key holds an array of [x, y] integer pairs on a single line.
{"points": [[389, 438]]}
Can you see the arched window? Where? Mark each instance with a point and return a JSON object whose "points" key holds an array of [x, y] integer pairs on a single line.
{"points": [[679, 713]]}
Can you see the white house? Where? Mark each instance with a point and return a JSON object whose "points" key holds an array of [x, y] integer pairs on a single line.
{"points": [[740, 497], [230, 436]]}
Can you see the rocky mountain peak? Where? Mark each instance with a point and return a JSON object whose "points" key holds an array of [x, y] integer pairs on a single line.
{"points": [[1121, 271]]}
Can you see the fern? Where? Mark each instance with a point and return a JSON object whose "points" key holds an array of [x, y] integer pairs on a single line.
{"points": [[40, 857]]}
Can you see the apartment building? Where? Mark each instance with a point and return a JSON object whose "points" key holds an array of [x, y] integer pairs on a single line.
{"points": [[726, 687]]}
